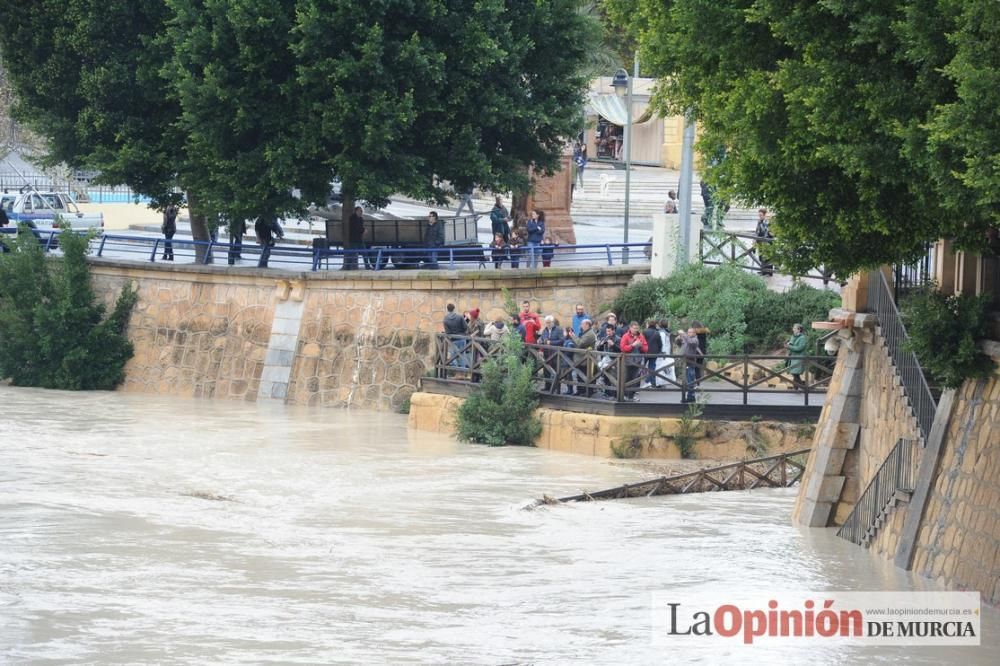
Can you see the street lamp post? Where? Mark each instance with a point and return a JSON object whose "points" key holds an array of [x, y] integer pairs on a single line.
{"points": [[622, 83]]}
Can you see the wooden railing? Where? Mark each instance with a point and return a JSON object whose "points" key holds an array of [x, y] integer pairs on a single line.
{"points": [[777, 471], [892, 482], [593, 374]]}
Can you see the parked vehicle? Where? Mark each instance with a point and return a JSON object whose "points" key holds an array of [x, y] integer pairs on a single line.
{"points": [[43, 208]]}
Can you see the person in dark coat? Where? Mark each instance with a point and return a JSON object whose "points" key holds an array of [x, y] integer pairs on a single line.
{"points": [[355, 239], [500, 220], [169, 228], [455, 324], [536, 232], [433, 238], [655, 344], [551, 335], [264, 229], [237, 230]]}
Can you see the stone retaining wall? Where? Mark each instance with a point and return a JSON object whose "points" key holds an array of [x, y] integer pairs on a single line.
{"points": [[958, 543], [639, 437], [362, 338], [955, 535]]}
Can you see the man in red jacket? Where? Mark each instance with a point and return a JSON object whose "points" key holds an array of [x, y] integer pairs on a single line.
{"points": [[634, 344], [530, 322]]}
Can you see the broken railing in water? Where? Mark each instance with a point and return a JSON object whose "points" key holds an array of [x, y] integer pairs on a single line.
{"points": [[778, 471]]}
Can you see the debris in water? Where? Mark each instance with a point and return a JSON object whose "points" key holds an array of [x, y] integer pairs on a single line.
{"points": [[209, 496], [546, 499]]}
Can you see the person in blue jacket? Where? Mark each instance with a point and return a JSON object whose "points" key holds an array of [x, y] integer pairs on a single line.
{"points": [[536, 232]]}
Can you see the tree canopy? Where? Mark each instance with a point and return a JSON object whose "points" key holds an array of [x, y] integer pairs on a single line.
{"points": [[241, 101], [869, 128]]}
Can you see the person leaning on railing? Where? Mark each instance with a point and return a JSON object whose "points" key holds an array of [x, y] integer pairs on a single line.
{"points": [[583, 360], [634, 344], [691, 351]]}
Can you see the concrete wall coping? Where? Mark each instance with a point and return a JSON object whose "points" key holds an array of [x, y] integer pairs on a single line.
{"points": [[390, 279]]}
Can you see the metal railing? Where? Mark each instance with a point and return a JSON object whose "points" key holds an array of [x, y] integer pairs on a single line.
{"points": [[186, 250], [894, 475], [783, 470], [882, 303], [621, 377], [907, 277], [717, 248]]}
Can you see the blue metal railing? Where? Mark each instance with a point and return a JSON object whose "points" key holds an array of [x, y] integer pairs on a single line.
{"points": [[186, 250]]}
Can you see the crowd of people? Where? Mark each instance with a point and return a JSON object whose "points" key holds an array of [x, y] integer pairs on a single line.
{"points": [[513, 241], [652, 349]]}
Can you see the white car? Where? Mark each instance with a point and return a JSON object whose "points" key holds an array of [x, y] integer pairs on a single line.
{"points": [[42, 208]]}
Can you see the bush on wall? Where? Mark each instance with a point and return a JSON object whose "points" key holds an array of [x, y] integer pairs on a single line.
{"points": [[742, 313], [55, 334], [943, 331]]}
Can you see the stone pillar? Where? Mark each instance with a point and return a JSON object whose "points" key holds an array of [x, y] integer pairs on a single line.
{"points": [[666, 241], [944, 267], [966, 273], [836, 434], [854, 295], [553, 194]]}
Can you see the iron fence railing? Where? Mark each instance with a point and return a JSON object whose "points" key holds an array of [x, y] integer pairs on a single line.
{"points": [[743, 249], [622, 377], [882, 303], [894, 475], [187, 250], [907, 277]]}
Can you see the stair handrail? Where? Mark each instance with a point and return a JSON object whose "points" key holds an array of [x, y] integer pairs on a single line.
{"points": [[882, 303], [895, 474]]}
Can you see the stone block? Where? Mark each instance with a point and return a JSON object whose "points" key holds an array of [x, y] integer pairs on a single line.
{"points": [[814, 514], [829, 489]]}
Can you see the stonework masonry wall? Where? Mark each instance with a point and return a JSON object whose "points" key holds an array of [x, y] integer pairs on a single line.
{"points": [[640, 437], [958, 543], [886, 416], [957, 537], [363, 339]]}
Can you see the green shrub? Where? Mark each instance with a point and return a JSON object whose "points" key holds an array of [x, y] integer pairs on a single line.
{"points": [[501, 410], [943, 331], [690, 427], [54, 332], [738, 308]]}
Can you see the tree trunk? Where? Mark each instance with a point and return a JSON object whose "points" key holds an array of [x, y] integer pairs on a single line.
{"points": [[519, 207], [199, 228], [346, 210]]}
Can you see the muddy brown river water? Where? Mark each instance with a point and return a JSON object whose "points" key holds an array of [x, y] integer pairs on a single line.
{"points": [[149, 530]]}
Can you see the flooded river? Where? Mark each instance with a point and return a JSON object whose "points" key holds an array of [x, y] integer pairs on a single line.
{"points": [[141, 529]]}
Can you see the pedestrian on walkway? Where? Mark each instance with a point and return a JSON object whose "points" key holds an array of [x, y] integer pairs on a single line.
{"points": [[169, 228], [635, 344], [355, 239], [764, 236], [500, 220], [652, 336], [581, 165], [264, 230], [433, 238], [691, 351], [536, 232], [237, 230], [465, 199], [796, 346]]}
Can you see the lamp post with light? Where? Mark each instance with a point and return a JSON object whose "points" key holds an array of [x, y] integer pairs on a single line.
{"points": [[622, 84]]}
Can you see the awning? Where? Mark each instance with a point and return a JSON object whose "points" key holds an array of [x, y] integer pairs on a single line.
{"points": [[612, 107]]}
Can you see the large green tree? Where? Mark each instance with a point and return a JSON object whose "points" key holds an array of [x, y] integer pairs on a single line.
{"points": [[240, 101], [871, 128]]}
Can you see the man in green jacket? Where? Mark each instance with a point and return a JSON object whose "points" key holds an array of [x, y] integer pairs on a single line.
{"points": [[796, 346]]}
